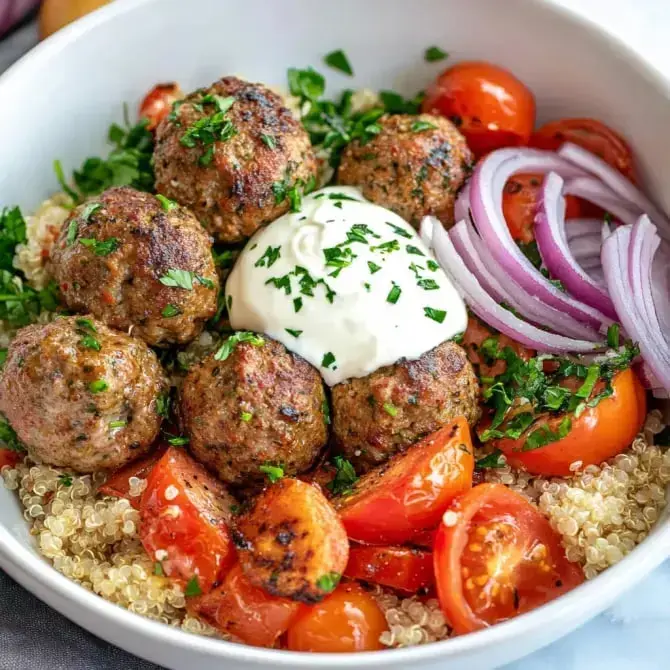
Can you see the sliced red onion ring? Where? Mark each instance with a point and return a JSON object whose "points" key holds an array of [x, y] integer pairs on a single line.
{"points": [[619, 267], [491, 312], [462, 204], [486, 188], [617, 182], [583, 227], [495, 282], [426, 229], [589, 188], [587, 246], [553, 246]]}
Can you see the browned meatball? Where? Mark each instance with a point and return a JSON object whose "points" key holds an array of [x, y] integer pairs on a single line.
{"points": [[82, 396], [233, 169], [139, 265], [379, 415], [414, 166], [257, 405]]}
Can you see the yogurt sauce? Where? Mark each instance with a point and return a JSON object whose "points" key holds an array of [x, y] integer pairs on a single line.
{"points": [[346, 284]]}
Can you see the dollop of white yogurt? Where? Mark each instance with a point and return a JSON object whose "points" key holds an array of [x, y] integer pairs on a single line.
{"points": [[346, 284]]}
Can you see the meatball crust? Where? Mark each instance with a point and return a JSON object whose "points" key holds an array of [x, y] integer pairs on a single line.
{"points": [[82, 396], [260, 405], [414, 166], [382, 414], [238, 184], [114, 254]]}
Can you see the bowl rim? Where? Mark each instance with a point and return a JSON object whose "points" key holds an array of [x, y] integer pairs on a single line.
{"points": [[20, 560]]}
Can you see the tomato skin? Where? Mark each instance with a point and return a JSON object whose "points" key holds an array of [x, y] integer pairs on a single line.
{"points": [[238, 608], [529, 570], [185, 512], [400, 568], [158, 102], [347, 620], [118, 482], [592, 135], [490, 106], [598, 434], [409, 492], [9, 457]]}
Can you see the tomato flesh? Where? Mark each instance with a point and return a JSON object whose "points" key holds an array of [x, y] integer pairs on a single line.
{"points": [[158, 103], [498, 558], [599, 433], [347, 620], [9, 457], [239, 608], [185, 516], [408, 493], [400, 568], [490, 106]]}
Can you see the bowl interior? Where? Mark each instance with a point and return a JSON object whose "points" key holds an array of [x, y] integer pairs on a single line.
{"points": [[60, 100]]}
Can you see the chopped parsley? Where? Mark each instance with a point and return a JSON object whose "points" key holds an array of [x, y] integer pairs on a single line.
{"points": [[398, 230], [269, 257], [387, 247], [325, 408], [435, 314], [9, 438], [163, 405], [329, 581], [493, 460], [170, 310], [229, 345], [86, 324], [394, 294], [65, 479], [390, 409], [98, 386], [167, 204], [428, 284], [394, 103], [345, 477], [269, 141], [328, 360], [373, 267], [100, 247], [12, 232], [273, 472], [434, 54], [295, 333], [432, 266], [177, 440], [117, 424], [246, 416], [72, 229], [414, 250], [297, 304], [158, 569], [192, 587], [613, 336], [419, 126], [210, 129], [531, 252], [89, 342], [338, 61], [176, 278]]}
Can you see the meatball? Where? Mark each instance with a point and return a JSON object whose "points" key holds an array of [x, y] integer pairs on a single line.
{"points": [[138, 263], [233, 166], [414, 166], [379, 415], [82, 396], [256, 404]]}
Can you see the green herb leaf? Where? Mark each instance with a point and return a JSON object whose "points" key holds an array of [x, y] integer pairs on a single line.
{"points": [[308, 84], [100, 248], [399, 231], [60, 176], [9, 438], [246, 416], [204, 281], [428, 284], [390, 409], [89, 342], [414, 250], [86, 324], [295, 333], [65, 479], [493, 460], [432, 266], [328, 582], [387, 247], [158, 569], [328, 359], [98, 386], [592, 376], [193, 587], [72, 229], [117, 424], [229, 345], [435, 314], [273, 472], [613, 337], [167, 204], [394, 294], [434, 54], [269, 141], [170, 310], [163, 405], [176, 278], [345, 477], [178, 440], [373, 267], [338, 61], [419, 126], [544, 435]]}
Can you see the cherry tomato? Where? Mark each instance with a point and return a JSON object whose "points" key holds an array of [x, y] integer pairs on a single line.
{"points": [[476, 334], [55, 14], [158, 103], [490, 106], [599, 433], [498, 558], [411, 490], [520, 201], [424, 538], [590, 134], [347, 620], [9, 457], [118, 482], [239, 608], [185, 515], [399, 568]]}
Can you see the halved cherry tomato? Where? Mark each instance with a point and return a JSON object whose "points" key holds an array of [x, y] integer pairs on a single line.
{"points": [[239, 608], [399, 568], [347, 620], [185, 516], [590, 134], [599, 433], [424, 538], [490, 106], [9, 457], [521, 196], [411, 490], [118, 482], [158, 102], [497, 558], [476, 334]]}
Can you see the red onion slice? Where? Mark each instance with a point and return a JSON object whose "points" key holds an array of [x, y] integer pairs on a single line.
{"points": [[587, 246], [617, 182], [552, 242], [583, 227], [491, 312], [426, 229], [486, 189], [462, 204], [589, 188]]}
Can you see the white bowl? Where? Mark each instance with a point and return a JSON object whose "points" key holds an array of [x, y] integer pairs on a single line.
{"points": [[58, 101]]}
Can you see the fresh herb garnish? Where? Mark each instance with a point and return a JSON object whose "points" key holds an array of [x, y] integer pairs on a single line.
{"points": [[163, 405], [98, 386], [398, 230], [432, 266], [246, 416], [167, 204], [176, 278], [345, 477], [329, 581], [12, 232], [210, 129], [419, 126], [390, 409], [273, 472], [170, 310], [434, 54], [158, 569], [100, 247], [338, 61], [373, 267], [295, 333], [493, 460], [89, 342], [328, 359], [269, 257], [435, 314], [117, 424], [394, 294], [387, 247], [613, 337], [229, 345], [177, 440], [414, 250], [9, 438], [193, 587], [65, 479], [428, 284], [269, 141]]}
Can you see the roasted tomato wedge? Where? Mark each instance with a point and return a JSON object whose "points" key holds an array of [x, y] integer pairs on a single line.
{"points": [[239, 608], [9, 457], [592, 135], [158, 103], [292, 542], [598, 433], [400, 568], [185, 514], [521, 196], [118, 483], [410, 491], [347, 620], [490, 106], [496, 557]]}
